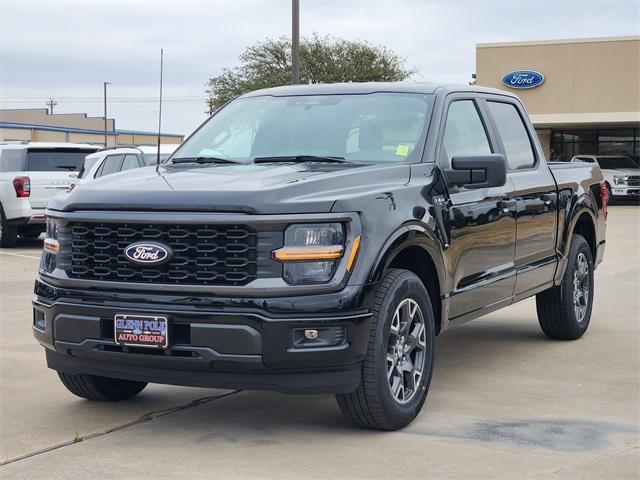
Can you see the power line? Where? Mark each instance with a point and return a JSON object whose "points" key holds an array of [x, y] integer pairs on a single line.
{"points": [[51, 103]]}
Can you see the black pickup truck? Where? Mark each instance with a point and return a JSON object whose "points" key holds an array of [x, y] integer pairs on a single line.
{"points": [[317, 239]]}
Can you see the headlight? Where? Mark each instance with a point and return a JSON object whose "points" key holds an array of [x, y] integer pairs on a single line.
{"points": [[619, 180], [311, 252], [51, 244], [51, 247]]}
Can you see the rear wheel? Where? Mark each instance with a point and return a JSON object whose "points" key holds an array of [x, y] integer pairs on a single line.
{"points": [[93, 387], [397, 369], [564, 311], [8, 234]]}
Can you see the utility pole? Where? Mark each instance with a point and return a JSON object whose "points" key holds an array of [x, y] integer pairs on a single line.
{"points": [[51, 103], [105, 114], [295, 42]]}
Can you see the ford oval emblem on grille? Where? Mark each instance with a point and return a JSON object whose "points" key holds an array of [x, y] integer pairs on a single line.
{"points": [[148, 253]]}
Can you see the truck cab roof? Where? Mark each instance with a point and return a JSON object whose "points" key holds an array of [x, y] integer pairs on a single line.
{"points": [[372, 87]]}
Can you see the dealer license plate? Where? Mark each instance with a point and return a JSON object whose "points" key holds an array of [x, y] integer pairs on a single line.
{"points": [[141, 331]]}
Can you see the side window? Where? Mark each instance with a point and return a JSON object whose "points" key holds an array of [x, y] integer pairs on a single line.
{"points": [[130, 162], [464, 133], [111, 164], [516, 141]]}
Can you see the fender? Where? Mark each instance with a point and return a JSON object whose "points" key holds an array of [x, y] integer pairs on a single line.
{"points": [[413, 235], [573, 211]]}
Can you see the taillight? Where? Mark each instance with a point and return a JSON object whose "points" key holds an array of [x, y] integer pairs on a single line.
{"points": [[22, 186], [604, 194]]}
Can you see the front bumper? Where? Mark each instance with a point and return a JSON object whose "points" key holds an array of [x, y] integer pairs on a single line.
{"points": [[214, 342], [625, 191]]}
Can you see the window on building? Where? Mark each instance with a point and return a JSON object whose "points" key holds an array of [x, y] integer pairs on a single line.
{"points": [[464, 133], [514, 135], [565, 144]]}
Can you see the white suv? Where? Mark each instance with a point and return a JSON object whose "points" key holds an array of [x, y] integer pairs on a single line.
{"points": [[118, 159], [30, 174], [621, 173]]}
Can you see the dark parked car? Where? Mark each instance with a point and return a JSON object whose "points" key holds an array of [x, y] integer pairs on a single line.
{"points": [[316, 239]]}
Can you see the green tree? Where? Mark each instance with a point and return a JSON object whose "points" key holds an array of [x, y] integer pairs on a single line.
{"points": [[322, 60]]}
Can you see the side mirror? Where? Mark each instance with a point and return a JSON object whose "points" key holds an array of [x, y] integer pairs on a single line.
{"points": [[477, 171]]}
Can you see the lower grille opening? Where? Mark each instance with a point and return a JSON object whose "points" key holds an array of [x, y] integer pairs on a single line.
{"points": [[158, 352]]}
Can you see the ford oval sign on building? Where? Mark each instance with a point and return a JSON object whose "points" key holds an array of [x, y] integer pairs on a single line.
{"points": [[523, 79]]}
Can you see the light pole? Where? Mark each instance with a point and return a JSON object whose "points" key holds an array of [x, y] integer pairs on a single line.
{"points": [[105, 113], [295, 42]]}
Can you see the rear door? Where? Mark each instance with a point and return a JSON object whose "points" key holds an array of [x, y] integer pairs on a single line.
{"points": [[535, 192], [51, 171], [483, 224]]}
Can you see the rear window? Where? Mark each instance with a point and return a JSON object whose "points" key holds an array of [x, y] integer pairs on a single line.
{"points": [[13, 160], [56, 159]]}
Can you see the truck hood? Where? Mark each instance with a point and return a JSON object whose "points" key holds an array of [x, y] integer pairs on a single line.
{"points": [[248, 188]]}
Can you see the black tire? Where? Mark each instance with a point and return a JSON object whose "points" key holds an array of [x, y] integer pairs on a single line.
{"points": [[559, 308], [373, 405], [103, 389], [8, 234], [30, 234]]}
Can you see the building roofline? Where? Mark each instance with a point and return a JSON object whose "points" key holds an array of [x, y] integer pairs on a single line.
{"points": [[26, 126], [630, 38]]}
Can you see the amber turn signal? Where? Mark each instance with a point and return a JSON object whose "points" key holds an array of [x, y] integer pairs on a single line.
{"points": [[51, 246], [298, 254]]}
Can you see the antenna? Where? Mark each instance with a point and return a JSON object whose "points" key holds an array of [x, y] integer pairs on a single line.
{"points": [[160, 109]]}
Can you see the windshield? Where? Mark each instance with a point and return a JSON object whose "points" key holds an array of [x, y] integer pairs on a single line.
{"points": [[56, 160], [616, 162], [378, 127]]}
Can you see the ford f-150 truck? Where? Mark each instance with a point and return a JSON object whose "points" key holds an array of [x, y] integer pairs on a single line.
{"points": [[317, 239]]}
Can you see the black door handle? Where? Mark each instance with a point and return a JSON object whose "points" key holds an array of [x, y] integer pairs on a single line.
{"points": [[549, 198], [507, 205]]}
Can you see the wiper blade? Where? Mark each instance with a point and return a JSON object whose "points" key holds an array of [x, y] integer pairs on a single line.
{"points": [[203, 160], [300, 159], [67, 167]]}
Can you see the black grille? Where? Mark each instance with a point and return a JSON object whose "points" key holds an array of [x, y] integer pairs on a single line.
{"points": [[202, 254], [633, 181]]}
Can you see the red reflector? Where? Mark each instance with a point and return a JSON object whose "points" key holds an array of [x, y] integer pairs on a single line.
{"points": [[22, 186], [604, 194]]}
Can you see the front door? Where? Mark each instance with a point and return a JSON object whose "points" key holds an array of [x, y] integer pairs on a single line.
{"points": [[483, 225]]}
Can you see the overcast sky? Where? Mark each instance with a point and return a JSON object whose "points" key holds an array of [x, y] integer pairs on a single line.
{"points": [[66, 49]]}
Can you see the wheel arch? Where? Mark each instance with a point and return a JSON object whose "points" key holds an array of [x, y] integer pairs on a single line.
{"points": [[583, 221], [416, 249]]}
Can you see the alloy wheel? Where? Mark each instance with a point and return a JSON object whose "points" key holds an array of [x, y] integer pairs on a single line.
{"points": [[581, 287], [406, 351]]}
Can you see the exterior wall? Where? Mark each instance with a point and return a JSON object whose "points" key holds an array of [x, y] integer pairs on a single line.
{"points": [[15, 134], [41, 116], [584, 79]]}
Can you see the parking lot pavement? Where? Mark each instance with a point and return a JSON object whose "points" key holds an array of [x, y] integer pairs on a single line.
{"points": [[505, 403]]}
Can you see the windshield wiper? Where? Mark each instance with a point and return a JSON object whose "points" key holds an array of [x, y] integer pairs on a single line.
{"points": [[71, 168], [203, 160], [300, 159]]}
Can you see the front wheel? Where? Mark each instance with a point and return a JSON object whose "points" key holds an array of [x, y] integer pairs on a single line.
{"points": [[93, 387], [397, 369], [564, 311], [8, 234]]}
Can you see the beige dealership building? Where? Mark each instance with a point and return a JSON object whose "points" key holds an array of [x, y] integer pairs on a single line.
{"points": [[38, 125], [588, 101]]}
